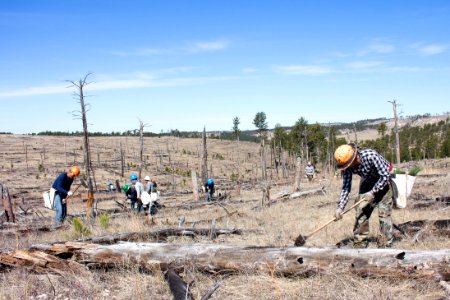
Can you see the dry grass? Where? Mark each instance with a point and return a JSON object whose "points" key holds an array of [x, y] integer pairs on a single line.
{"points": [[280, 223]]}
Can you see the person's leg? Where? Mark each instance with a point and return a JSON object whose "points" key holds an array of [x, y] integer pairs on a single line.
{"points": [[133, 204], [361, 228], [64, 210], [363, 213], [386, 237], [58, 210]]}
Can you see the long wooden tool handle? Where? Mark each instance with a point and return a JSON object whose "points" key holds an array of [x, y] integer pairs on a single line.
{"points": [[78, 186], [334, 219]]}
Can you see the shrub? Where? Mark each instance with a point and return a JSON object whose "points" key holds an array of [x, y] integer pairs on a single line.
{"points": [[104, 220], [80, 229]]}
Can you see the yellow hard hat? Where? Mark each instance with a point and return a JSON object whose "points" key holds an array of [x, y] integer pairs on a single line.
{"points": [[345, 155], [75, 170]]}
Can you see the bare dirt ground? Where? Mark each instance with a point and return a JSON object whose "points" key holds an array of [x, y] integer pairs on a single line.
{"points": [[29, 164]]}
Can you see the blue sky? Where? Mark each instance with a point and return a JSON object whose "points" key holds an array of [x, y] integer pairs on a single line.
{"points": [[188, 64]]}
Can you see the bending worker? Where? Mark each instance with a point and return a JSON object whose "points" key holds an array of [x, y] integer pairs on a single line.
{"points": [[62, 186], [209, 189], [309, 170], [375, 187]]}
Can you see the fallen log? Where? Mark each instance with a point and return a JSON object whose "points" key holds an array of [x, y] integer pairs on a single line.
{"points": [[158, 235], [283, 196], [40, 262], [439, 226], [290, 261], [320, 190]]}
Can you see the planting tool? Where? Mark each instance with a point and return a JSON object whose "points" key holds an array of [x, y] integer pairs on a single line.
{"points": [[82, 183], [301, 239]]}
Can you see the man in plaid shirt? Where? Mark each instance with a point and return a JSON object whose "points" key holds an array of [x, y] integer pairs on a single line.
{"points": [[375, 187]]}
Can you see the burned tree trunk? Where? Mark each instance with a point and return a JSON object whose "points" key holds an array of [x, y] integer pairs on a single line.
{"points": [[80, 85], [290, 261], [204, 158], [194, 185], [297, 175], [6, 199], [122, 160]]}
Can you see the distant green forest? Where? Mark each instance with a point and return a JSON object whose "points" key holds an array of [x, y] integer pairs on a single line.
{"points": [[316, 142]]}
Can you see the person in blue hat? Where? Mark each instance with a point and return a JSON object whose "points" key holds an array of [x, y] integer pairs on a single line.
{"points": [[209, 189]]}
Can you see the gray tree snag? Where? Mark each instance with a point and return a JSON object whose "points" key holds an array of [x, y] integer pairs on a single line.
{"points": [[194, 185], [7, 205], [397, 139], [297, 175], [141, 147], [122, 161], [80, 96], [237, 133], [204, 158]]}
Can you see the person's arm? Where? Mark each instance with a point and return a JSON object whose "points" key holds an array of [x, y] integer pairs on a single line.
{"points": [[59, 184], [382, 167], [346, 188]]}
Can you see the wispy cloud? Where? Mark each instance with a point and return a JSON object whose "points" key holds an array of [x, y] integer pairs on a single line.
{"points": [[189, 48], [359, 65], [381, 48], [303, 70], [140, 80], [249, 70], [207, 46], [432, 49], [407, 69]]}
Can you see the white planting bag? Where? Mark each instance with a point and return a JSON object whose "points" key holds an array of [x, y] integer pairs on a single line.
{"points": [[145, 198], [49, 198], [154, 196], [404, 186]]}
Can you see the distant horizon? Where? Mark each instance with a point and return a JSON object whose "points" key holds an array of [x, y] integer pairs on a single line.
{"points": [[425, 115]]}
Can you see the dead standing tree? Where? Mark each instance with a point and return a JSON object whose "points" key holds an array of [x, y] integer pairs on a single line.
{"points": [[141, 147], [6, 199], [205, 158], [397, 139], [237, 133], [79, 94], [260, 122]]}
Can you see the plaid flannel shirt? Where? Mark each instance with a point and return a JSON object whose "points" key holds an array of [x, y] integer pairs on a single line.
{"points": [[373, 166]]}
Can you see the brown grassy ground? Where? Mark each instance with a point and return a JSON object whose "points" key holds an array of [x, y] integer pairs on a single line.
{"points": [[280, 223]]}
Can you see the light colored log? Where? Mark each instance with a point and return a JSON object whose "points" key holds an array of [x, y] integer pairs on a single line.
{"points": [[290, 261]]}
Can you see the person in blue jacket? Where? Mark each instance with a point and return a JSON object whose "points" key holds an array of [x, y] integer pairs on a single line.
{"points": [[62, 186], [209, 189]]}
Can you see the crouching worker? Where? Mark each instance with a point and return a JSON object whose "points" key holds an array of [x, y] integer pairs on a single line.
{"points": [[130, 193], [209, 189], [375, 187], [309, 171], [62, 186]]}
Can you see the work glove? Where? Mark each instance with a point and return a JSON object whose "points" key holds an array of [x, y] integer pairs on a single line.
{"points": [[69, 193], [369, 196], [338, 214]]}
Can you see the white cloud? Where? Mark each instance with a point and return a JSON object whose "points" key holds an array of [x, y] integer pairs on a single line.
{"points": [[303, 70], [381, 48], [364, 64], [432, 49], [35, 91], [249, 70], [140, 80], [207, 46], [143, 52], [407, 69], [195, 47]]}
